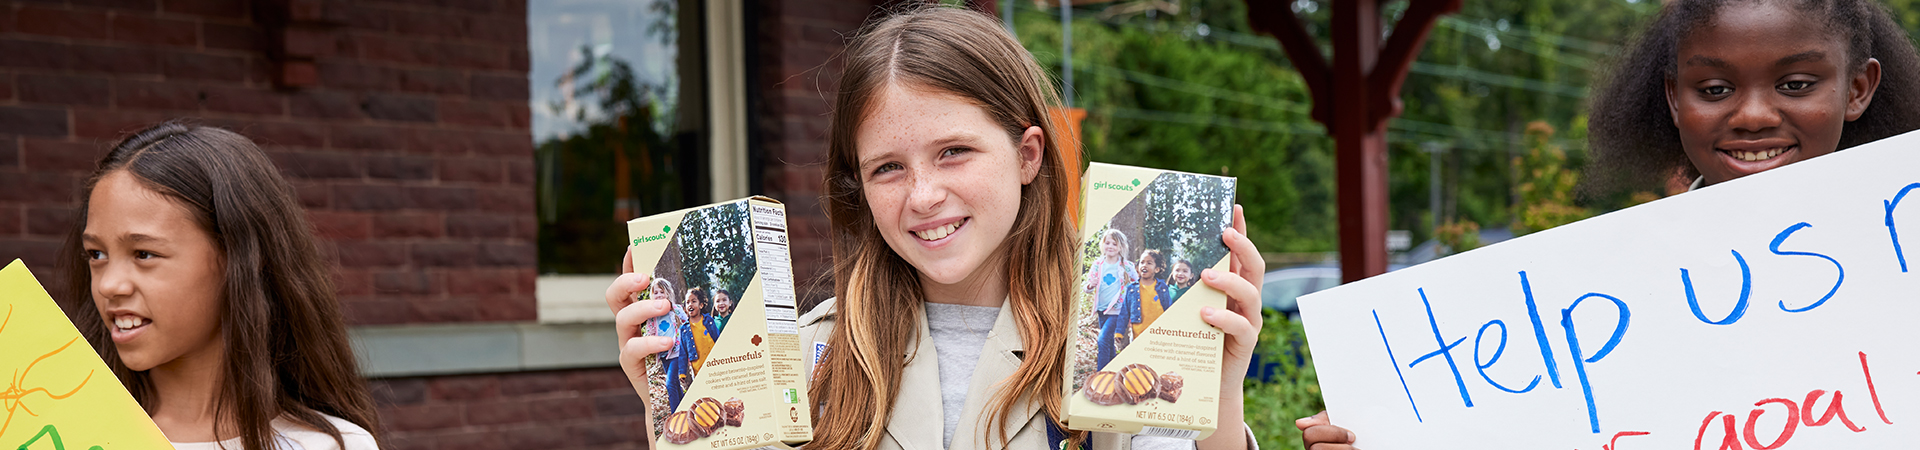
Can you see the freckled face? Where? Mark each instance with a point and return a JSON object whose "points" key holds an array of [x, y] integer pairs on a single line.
{"points": [[1762, 87], [943, 180], [157, 277]]}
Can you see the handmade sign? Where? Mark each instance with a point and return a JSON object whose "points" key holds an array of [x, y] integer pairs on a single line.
{"points": [[58, 394], [1775, 311]]}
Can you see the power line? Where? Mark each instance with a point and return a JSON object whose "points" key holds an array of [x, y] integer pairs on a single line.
{"points": [[1471, 74]]}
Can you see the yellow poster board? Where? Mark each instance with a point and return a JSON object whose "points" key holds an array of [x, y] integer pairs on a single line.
{"points": [[57, 393]]}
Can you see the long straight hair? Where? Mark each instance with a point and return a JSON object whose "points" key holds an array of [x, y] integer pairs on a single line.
{"points": [[286, 343], [966, 54]]}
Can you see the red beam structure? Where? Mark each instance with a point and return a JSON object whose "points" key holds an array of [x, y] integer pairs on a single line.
{"points": [[1354, 97]]}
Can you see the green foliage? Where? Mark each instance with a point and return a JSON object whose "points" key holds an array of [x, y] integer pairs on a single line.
{"points": [[1546, 184], [1185, 215], [716, 249], [1292, 393], [1458, 236]]}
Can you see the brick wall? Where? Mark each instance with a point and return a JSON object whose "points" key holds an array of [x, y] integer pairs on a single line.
{"points": [[796, 44], [410, 149], [528, 410]]}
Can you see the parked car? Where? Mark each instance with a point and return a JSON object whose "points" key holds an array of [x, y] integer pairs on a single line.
{"points": [[1280, 293]]}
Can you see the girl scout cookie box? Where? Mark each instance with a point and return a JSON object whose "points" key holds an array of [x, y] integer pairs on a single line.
{"points": [[733, 378], [1144, 362]]}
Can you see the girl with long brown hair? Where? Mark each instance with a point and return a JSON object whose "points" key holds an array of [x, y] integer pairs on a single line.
{"points": [[954, 254], [196, 279]]}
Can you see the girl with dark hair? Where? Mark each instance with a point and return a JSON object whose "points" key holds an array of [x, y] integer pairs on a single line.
{"points": [[700, 326], [955, 253], [1181, 278], [1148, 297], [205, 294], [1719, 89]]}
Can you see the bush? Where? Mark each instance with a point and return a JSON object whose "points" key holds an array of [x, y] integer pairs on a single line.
{"points": [[1288, 387]]}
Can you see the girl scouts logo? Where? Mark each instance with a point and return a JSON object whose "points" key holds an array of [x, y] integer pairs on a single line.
{"points": [[1098, 185], [1108, 279], [663, 235]]}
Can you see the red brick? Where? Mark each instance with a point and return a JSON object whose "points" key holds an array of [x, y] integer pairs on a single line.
{"points": [[525, 227], [357, 77], [324, 105], [508, 255], [499, 30], [156, 95], [464, 388], [398, 391], [430, 24], [275, 134], [532, 383], [140, 5], [509, 200], [371, 254], [233, 37], [483, 439], [353, 282], [479, 281], [78, 24], [617, 404], [433, 311], [358, 17], [474, 170], [33, 121], [535, 437], [564, 408], [149, 30], [6, 86], [375, 312], [505, 308], [245, 101], [115, 60], [387, 48], [423, 417], [316, 165], [519, 118], [434, 82], [49, 221], [404, 282], [36, 252], [403, 108], [609, 432], [9, 152], [441, 198], [11, 223], [400, 167], [200, 66], [481, 114], [519, 144], [517, 59], [235, 9], [468, 56], [520, 172], [445, 254], [479, 226], [34, 55], [497, 413], [340, 225], [360, 197], [313, 195], [493, 87], [64, 90], [598, 380], [309, 42], [56, 155], [368, 138], [408, 225], [112, 124], [443, 142]]}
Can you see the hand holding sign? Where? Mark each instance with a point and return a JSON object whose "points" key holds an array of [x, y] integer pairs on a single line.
{"points": [[59, 394], [1764, 312]]}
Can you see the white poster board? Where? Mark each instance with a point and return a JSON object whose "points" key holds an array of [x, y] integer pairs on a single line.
{"points": [[1629, 330]]}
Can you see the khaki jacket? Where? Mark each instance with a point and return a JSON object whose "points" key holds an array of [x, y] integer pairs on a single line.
{"points": [[917, 420]]}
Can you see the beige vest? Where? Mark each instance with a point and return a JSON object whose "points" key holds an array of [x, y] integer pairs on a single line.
{"points": [[916, 423]]}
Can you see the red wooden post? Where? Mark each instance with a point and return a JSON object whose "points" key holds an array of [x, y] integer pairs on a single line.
{"points": [[1354, 97]]}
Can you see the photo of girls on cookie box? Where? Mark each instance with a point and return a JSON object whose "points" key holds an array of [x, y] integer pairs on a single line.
{"points": [[733, 378], [1144, 361]]}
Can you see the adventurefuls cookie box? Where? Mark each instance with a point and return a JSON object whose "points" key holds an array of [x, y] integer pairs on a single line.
{"points": [[733, 378], [1144, 362]]}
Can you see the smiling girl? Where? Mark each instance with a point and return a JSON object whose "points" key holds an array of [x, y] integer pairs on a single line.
{"points": [[1721, 89], [955, 254], [206, 295]]}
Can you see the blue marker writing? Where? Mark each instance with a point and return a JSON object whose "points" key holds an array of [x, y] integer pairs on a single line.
{"points": [[1775, 248], [1739, 309], [1445, 351], [1580, 360], [1540, 332], [1483, 365], [1893, 233]]}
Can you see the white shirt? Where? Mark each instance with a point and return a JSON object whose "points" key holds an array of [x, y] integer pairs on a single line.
{"points": [[292, 435]]}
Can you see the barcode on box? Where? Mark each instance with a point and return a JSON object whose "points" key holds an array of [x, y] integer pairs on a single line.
{"points": [[1169, 432]]}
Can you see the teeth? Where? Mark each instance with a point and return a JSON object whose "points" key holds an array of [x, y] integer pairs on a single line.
{"points": [[1757, 156], [938, 233], [127, 322]]}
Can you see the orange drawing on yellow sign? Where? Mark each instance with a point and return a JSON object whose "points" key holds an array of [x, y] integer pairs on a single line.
{"points": [[58, 392]]}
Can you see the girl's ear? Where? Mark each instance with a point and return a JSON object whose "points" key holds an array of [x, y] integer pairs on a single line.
{"points": [[1673, 107], [1860, 89], [1033, 147]]}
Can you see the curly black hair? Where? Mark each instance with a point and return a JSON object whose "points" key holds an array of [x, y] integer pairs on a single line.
{"points": [[1631, 136]]}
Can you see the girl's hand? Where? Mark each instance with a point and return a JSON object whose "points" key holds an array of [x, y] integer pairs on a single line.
{"points": [[1318, 433], [1241, 322], [630, 318]]}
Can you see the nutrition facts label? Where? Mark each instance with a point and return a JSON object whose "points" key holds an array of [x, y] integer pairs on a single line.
{"points": [[776, 268]]}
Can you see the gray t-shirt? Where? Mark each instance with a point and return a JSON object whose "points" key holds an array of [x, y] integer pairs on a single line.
{"points": [[959, 332]]}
